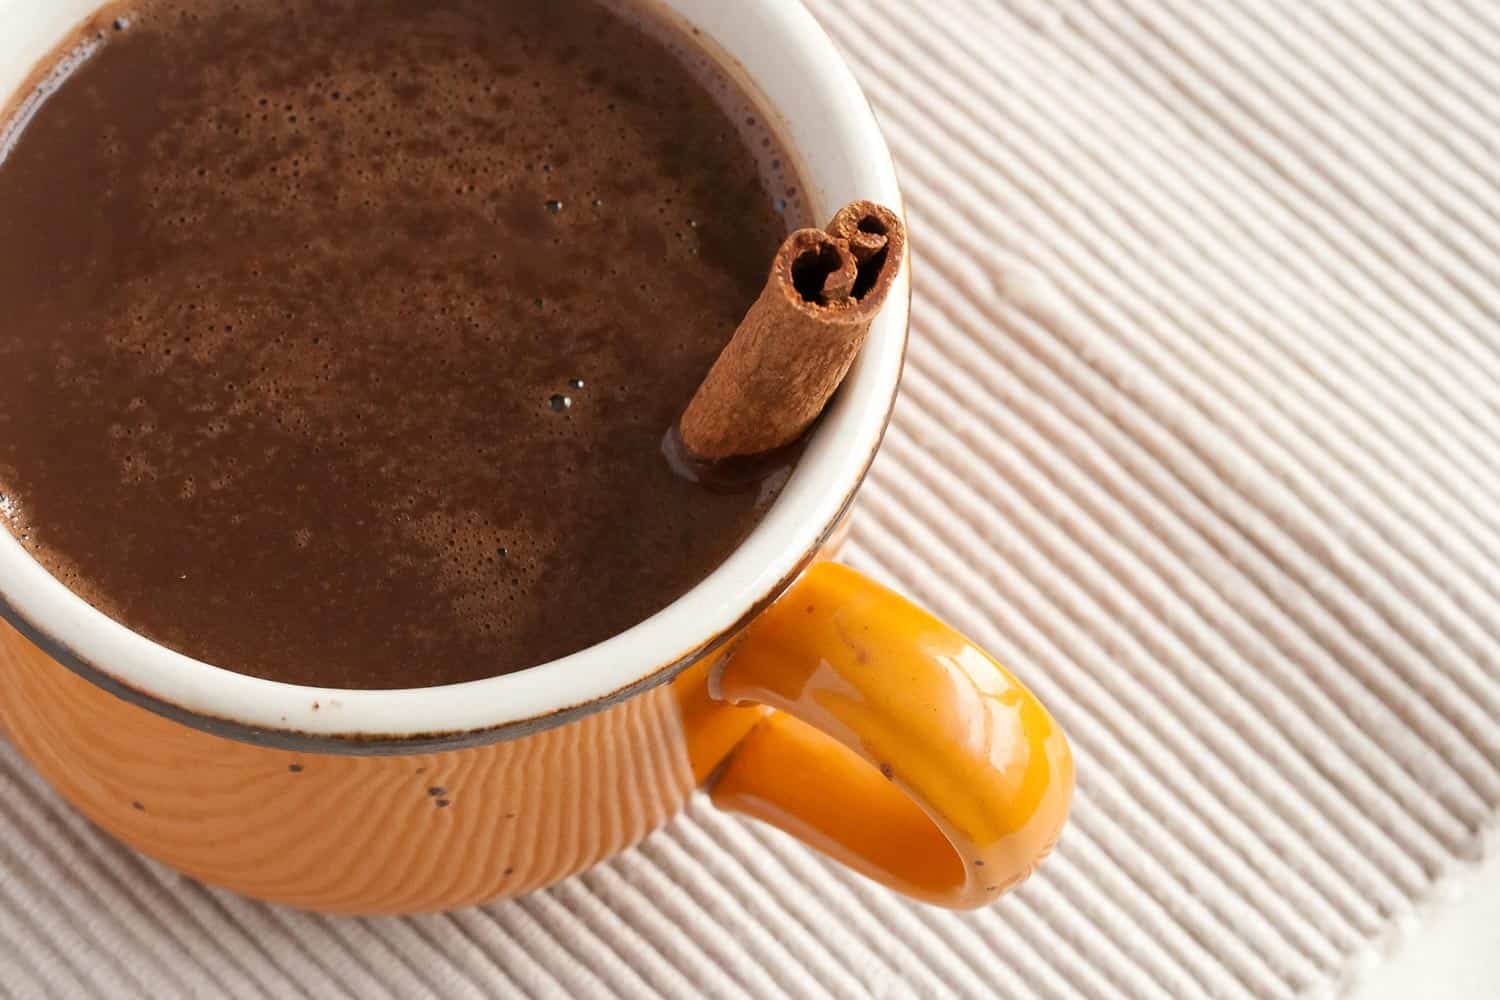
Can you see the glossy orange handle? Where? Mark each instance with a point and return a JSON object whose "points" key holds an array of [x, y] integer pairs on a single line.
{"points": [[899, 747]]}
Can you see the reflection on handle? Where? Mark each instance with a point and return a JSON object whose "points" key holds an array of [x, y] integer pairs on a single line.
{"points": [[899, 747]]}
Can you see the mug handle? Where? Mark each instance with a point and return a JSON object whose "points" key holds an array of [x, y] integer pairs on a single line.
{"points": [[896, 746]]}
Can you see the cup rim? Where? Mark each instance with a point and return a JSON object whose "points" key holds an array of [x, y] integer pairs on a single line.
{"points": [[799, 77]]}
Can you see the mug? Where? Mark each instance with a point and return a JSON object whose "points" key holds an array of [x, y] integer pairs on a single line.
{"points": [[791, 688]]}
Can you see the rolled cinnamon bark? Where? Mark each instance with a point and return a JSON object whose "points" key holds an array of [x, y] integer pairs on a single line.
{"points": [[799, 339]]}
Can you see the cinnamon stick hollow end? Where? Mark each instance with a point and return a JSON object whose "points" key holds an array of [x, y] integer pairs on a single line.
{"points": [[800, 337], [877, 241]]}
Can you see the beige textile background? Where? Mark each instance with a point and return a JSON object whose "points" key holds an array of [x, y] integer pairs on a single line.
{"points": [[1200, 433]]}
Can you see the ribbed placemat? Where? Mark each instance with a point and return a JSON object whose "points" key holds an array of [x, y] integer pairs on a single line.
{"points": [[1199, 434]]}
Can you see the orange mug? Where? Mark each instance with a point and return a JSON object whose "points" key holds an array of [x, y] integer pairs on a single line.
{"points": [[792, 688]]}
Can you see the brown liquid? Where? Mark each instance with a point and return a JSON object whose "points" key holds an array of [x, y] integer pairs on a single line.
{"points": [[340, 337]]}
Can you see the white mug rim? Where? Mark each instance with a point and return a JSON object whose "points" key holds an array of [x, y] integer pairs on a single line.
{"points": [[803, 81]]}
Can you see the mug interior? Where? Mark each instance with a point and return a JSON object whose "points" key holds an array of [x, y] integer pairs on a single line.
{"points": [[787, 64]]}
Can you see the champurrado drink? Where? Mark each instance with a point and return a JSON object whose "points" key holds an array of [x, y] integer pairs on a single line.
{"points": [[340, 337]]}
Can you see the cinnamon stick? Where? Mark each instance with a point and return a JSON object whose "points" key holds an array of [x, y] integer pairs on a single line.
{"points": [[800, 337]]}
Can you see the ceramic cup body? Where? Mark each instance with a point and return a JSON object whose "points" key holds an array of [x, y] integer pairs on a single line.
{"points": [[395, 833], [401, 801]]}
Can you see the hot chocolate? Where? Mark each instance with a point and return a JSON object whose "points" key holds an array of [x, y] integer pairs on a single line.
{"points": [[341, 336]]}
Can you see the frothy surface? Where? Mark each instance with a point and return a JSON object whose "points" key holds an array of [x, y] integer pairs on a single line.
{"points": [[341, 336]]}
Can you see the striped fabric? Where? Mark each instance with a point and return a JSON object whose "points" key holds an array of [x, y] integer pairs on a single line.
{"points": [[1199, 433]]}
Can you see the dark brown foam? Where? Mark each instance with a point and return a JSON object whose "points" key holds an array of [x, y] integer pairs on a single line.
{"points": [[341, 336]]}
